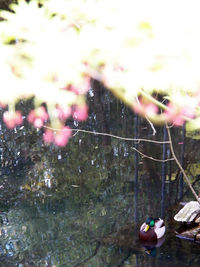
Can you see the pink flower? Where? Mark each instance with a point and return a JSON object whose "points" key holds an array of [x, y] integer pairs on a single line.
{"points": [[48, 136], [176, 114], [37, 117], [59, 138], [138, 108], [144, 109], [62, 136], [38, 122], [80, 113], [188, 111], [63, 112], [151, 109], [12, 119], [80, 88]]}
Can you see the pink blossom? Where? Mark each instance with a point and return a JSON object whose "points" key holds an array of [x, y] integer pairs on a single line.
{"points": [[41, 112], [60, 137], [12, 119], [176, 114], [80, 113], [188, 111], [37, 117], [48, 136], [138, 108], [80, 88], [31, 116], [38, 122], [144, 109], [63, 112], [151, 109], [178, 120]]}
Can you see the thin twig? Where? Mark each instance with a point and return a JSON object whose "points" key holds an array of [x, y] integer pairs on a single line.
{"points": [[180, 167], [152, 126], [146, 117], [121, 138], [112, 135], [145, 156]]}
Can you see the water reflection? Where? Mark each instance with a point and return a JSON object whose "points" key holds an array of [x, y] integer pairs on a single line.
{"points": [[82, 205], [151, 246], [136, 169]]}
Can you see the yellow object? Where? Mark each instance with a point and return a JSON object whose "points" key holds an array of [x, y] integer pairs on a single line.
{"points": [[146, 228]]}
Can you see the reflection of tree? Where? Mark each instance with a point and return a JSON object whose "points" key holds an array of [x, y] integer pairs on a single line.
{"points": [[90, 257], [101, 102]]}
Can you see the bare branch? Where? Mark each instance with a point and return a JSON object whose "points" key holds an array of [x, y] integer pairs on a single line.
{"points": [[180, 167], [112, 135], [149, 157], [152, 126]]}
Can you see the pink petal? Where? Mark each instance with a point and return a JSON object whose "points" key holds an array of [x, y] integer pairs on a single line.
{"points": [[48, 136], [178, 120], [18, 118], [41, 113], [12, 119], [66, 131], [63, 113], [138, 108], [38, 123], [62, 136], [151, 109], [80, 113], [31, 116]]}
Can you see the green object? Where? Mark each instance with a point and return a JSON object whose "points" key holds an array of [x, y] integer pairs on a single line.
{"points": [[152, 223]]}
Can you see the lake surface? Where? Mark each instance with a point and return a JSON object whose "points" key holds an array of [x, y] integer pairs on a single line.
{"points": [[83, 205]]}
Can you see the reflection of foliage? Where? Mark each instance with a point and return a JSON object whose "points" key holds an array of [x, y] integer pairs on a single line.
{"points": [[67, 221], [92, 195]]}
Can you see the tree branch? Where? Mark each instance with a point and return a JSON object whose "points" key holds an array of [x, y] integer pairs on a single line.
{"points": [[180, 167], [111, 135]]}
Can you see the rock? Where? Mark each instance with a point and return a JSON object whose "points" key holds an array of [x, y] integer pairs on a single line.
{"points": [[197, 220], [188, 213], [191, 234]]}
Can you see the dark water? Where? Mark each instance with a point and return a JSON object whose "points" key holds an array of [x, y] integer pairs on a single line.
{"points": [[82, 205]]}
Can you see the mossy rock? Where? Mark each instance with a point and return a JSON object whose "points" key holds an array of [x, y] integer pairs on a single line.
{"points": [[189, 213]]}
